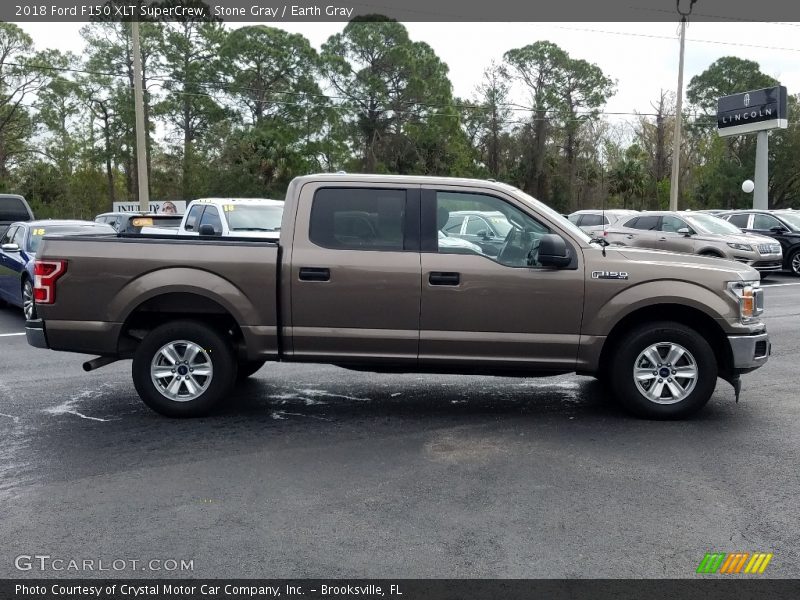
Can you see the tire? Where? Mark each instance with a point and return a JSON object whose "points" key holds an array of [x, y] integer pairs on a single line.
{"points": [[28, 310], [711, 254], [794, 263], [676, 397], [248, 368], [199, 348]]}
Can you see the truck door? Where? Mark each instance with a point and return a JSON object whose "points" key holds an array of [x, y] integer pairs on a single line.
{"points": [[499, 311], [355, 273]]}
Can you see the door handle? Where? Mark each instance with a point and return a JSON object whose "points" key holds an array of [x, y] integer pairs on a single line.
{"points": [[440, 278], [629, 236], [662, 239], [315, 274]]}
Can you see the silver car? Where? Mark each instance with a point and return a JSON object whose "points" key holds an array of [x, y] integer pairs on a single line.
{"points": [[595, 221], [697, 233]]}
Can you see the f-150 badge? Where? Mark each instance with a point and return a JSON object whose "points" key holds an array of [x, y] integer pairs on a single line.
{"points": [[609, 275]]}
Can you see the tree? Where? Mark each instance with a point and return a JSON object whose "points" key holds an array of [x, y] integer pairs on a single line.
{"points": [[489, 115]]}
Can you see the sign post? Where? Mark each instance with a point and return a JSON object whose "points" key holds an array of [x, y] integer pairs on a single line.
{"points": [[751, 112]]}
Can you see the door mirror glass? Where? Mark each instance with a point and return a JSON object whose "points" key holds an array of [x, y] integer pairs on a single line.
{"points": [[10, 248], [553, 251], [685, 231]]}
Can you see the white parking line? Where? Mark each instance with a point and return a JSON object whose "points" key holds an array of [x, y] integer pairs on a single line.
{"points": [[11, 334]]}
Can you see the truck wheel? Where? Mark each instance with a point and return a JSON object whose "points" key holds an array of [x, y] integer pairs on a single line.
{"points": [[183, 369], [663, 370], [249, 367]]}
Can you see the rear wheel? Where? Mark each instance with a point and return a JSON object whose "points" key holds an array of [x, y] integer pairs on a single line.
{"points": [[183, 369], [664, 370], [28, 304]]}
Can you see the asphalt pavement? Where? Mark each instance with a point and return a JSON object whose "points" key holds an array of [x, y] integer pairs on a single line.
{"points": [[315, 471]]}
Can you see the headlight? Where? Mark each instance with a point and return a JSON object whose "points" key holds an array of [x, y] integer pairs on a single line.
{"points": [[744, 247], [750, 297]]}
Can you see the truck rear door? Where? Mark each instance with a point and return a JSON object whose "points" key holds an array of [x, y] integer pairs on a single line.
{"points": [[355, 273]]}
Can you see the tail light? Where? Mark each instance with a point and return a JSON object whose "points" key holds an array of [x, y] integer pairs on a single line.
{"points": [[46, 273]]}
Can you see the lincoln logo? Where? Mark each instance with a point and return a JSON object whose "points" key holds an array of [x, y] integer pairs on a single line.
{"points": [[746, 100]]}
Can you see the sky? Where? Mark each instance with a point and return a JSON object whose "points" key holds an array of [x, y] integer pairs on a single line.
{"points": [[641, 57]]}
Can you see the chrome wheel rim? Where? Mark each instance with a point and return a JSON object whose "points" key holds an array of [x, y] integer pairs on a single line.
{"points": [[665, 373], [796, 263], [27, 300], [181, 371]]}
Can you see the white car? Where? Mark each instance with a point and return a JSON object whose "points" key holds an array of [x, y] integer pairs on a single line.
{"points": [[595, 221], [229, 217], [456, 245]]}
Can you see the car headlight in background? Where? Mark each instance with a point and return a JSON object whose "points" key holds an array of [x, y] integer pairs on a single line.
{"points": [[750, 297], [744, 247]]}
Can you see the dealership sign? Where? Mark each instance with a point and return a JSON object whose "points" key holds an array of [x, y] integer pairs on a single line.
{"points": [[156, 206], [756, 110]]}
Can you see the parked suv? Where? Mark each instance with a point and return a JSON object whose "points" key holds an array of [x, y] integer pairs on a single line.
{"points": [[593, 221], [698, 233], [13, 208], [487, 229], [782, 226]]}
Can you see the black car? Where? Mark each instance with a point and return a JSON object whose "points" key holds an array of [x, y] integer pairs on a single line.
{"points": [[13, 208], [132, 222], [781, 225]]}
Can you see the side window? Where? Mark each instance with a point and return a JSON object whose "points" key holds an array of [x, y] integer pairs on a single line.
{"points": [[19, 237], [574, 218], [739, 220], [193, 217], [453, 226], [592, 220], [211, 217], [765, 222], [476, 225], [8, 235], [672, 224], [649, 223], [516, 234], [358, 219]]}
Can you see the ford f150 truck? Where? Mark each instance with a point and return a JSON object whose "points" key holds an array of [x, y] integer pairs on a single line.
{"points": [[359, 279]]}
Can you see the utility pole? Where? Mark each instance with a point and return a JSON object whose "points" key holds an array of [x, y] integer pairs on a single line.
{"points": [[141, 138], [676, 145]]}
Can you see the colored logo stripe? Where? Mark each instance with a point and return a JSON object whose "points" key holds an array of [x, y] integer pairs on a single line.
{"points": [[711, 562], [758, 563], [734, 562]]}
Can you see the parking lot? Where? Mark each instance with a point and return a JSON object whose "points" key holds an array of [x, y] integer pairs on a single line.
{"points": [[315, 471]]}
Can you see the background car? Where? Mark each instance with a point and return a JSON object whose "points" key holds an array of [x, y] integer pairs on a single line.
{"points": [[486, 229], [697, 233], [132, 222], [454, 245], [234, 217], [593, 220], [783, 226], [13, 208], [18, 247]]}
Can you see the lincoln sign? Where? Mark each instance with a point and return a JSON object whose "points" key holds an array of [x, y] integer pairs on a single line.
{"points": [[756, 110]]}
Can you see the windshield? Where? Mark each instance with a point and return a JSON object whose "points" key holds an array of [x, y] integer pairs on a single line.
{"points": [[37, 233], [554, 216], [709, 224], [793, 220], [253, 218]]}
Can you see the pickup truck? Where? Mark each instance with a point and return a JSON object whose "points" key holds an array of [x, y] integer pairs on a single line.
{"points": [[359, 279], [236, 217]]}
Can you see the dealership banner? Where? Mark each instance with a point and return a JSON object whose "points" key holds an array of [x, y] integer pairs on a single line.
{"points": [[161, 207], [737, 588]]}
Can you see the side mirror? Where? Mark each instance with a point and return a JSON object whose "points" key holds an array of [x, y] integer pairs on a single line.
{"points": [[778, 229], [685, 231], [485, 234], [553, 251], [10, 248], [207, 229]]}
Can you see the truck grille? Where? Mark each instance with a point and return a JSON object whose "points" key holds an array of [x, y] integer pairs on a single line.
{"points": [[769, 248]]}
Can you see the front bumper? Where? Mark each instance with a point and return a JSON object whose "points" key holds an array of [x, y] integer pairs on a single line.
{"points": [[750, 351], [34, 333]]}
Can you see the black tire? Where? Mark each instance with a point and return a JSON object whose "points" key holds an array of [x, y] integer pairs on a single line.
{"points": [[711, 254], [794, 263], [214, 350], [663, 335], [248, 368], [27, 288]]}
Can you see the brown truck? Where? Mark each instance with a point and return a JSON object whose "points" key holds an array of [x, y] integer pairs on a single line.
{"points": [[364, 277]]}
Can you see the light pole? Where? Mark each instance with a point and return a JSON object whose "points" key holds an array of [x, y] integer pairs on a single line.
{"points": [[141, 139], [676, 144]]}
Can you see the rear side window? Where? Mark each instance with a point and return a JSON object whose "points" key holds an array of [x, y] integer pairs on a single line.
{"points": [[739, 220], [593, 220], [13, 209], [358, 219], [765, 222], [646, 223], [193, 217]]}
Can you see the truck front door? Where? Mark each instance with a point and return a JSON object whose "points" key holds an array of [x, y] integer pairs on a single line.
{"points": [[355, 274], [503, 311]]}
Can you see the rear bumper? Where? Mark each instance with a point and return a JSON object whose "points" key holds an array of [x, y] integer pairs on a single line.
{"points": [[34, 333], [750, 351]]}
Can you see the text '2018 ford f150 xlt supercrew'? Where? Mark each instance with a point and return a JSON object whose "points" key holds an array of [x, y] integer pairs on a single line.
{"points": [[360, 278]]}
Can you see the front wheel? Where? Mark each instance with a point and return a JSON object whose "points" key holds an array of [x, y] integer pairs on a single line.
{"points": [[794, 263], [663, 370], [183, 369]]}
